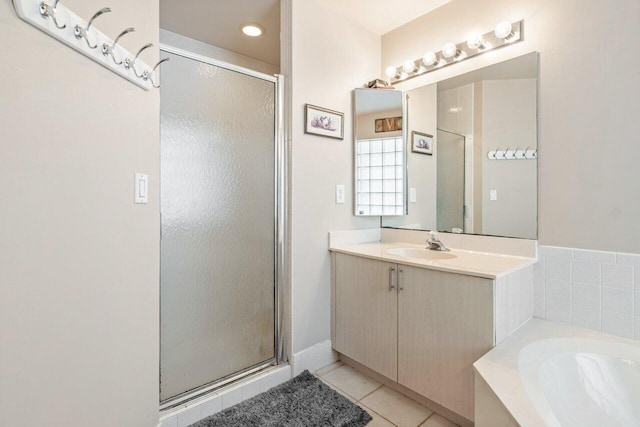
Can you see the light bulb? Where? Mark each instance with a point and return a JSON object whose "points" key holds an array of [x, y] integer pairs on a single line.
{"points": [[476, 42], [252, 29], [429, 59], [403, 76], [391, 71], [409, 66], [503, 30], [449, 50]]}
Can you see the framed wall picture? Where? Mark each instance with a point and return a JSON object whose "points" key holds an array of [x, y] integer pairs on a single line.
{"points": [[323, 122], [421, 143], [388, 124]]}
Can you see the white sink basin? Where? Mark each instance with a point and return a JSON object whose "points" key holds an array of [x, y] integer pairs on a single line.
{"points": [[420, 253]]}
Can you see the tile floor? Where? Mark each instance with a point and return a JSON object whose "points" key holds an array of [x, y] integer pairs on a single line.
{"points": [[387, 407]]}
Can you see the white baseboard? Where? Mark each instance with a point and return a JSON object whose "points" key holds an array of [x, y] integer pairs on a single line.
{"points": [[313, 358]]}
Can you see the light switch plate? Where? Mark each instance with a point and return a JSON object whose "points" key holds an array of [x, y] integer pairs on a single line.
{"points": [[141, 188], [339, 194], [493, 195], [412, 195]]}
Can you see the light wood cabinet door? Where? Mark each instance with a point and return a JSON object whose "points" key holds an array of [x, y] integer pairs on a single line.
{"points": [[366, 312], [445, 323]]}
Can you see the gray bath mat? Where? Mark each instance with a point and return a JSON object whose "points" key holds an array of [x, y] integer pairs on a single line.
{"points": [[301, 401]]}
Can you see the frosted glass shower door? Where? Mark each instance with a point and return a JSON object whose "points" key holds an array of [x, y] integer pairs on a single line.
{"points": [[450, 187], [218, 224]]}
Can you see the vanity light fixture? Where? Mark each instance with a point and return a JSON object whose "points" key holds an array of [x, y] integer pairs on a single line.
{"points": [[476, 42], [430, 59], [504, 30], [391, 72], [450, 50], [252, 29], [504, 34], [409, 66]]}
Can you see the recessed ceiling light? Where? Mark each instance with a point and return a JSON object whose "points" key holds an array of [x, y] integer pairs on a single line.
{"points": [[252, 29]]}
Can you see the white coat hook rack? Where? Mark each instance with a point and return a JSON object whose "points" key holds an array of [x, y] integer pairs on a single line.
{"points": [[56, 20], [510, 154]]}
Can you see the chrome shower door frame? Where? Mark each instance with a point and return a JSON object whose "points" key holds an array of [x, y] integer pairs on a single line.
{"points": [[280, 225]]}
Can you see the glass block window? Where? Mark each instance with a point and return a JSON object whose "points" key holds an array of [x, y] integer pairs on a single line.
{"points": [[380, 176]]}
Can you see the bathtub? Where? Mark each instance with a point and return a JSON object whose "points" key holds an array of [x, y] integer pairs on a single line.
{"points": [[557, 375]]}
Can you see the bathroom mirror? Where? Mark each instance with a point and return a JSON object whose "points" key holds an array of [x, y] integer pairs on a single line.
{"points": [[379, 152], [476, 171]]}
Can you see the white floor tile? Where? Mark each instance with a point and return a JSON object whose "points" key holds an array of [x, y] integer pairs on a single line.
{"points": [[323, 371], [351, 382], [396, 408], [170, 422], [211, 406], [190, 416], [338, 390], [231, 397], [377, 419], [438, 421]]}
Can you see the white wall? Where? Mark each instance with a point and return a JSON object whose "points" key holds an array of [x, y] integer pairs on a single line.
{"points": [[79, 304], [456, 114], [422, 168], [205, 49], [588, 178], [509, 121], [330, 57]]}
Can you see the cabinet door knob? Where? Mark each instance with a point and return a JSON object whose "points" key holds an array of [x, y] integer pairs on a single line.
{"points": [[391, 271], [400, 287]]}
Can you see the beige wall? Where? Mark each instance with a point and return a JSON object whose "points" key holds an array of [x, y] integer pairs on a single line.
{"points": [[509, 121], [588, 178], [422, 108], [365, 124], [461, 122], [330, 57], [79, 320]]}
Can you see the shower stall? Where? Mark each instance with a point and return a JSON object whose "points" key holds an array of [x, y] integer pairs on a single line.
{"points": [[450, 188], [221, 167]]}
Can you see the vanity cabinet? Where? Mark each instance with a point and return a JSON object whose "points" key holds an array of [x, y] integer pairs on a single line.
{"points": [[366, 312], [418, 327], [445, 323]]}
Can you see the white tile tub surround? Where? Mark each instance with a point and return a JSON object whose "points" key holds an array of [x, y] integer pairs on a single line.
{"points": [[592, 289]]}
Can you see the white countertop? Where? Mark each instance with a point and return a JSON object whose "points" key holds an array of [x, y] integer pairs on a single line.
{"points": [[471, 263], [499, 368]]}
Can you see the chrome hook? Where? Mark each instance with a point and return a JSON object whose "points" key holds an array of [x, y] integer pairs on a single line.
{"points": [[82, 33], [109, 50], [128, 63], [515, 153], [46, 11], [146, 75]]}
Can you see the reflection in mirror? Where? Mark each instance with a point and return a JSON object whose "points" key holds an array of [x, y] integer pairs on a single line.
{"points": [[379, 152], [461, 187]]}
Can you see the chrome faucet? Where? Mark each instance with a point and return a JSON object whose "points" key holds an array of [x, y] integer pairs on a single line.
{"points": [[435, 244]]}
